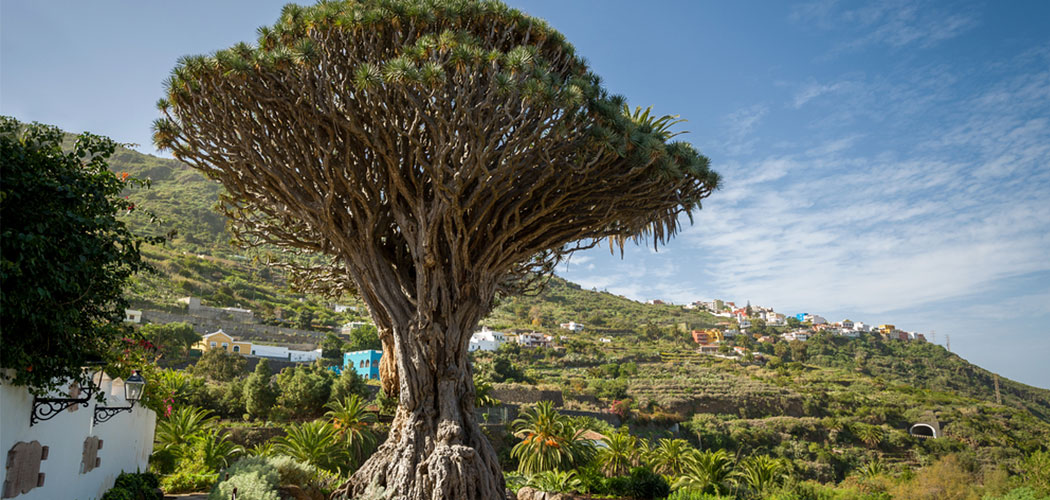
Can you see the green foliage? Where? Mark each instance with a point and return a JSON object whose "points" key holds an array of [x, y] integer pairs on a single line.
{"points": [[303, 390], [363, 338], [549, 441], [670, 456], [219, 365], [760, 473], [173, 340], [67, 255], [316, 443], [182, 426], [259, 393], [619, 454], [353, 424], [187, 481], [347, 384], [135, 486], [1035, 471], [708, 471], [555, 481], [641, 483], [253, 478]]}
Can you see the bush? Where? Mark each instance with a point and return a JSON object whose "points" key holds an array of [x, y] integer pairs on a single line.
{"points": [[641, 483], [253, 485], [134, 486], [188, 481], [685, 494]]}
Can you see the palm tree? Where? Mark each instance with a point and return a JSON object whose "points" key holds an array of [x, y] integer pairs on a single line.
{"points": [[352, 422], [871, 435], [549, 441], [760, 473], [709, 471], [183, 424], [670, 456], [316, 443], [619, 455], [216, 450]]}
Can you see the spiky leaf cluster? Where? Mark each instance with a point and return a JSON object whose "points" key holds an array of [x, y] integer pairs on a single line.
{"points": [[422, 134]]}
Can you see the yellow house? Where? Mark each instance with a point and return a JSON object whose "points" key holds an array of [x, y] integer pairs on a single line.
{"points": [[221, 340], [887, 328]]}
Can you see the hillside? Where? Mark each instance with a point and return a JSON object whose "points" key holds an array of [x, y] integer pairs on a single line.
{"points": [[811, 405]]}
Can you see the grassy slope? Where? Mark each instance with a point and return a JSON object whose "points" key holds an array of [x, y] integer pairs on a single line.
{"points": [[868, 381]]}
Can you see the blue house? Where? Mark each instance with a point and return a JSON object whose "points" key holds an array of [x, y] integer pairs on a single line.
{"points": [[365, 363]]}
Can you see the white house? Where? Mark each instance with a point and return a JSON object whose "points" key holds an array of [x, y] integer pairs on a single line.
{"points": [[731, 333], [800, 335], [818, 320], [132, 316], [486, 340], [533, 339], [744, 323], [349, 327], [573, 326], [605, 340], [861, 327], [847, 324]]}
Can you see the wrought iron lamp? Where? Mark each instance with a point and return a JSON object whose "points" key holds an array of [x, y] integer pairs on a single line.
{"points": [[133, 388], [48, 408]]}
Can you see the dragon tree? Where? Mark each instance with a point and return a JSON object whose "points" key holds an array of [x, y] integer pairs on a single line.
{"points": [[437, 153]]}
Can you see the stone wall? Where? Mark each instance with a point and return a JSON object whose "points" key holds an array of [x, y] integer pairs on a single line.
{"points": [[511, 393]]}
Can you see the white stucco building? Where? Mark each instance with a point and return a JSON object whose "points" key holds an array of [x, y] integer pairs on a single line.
{"points": [[486, 340]]}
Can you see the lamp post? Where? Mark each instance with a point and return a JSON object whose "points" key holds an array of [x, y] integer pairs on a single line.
{"points": [[133, 388], [48, 408]]}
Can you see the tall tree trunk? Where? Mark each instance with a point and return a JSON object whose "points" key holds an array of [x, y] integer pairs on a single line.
{"points": [[435, 449]]}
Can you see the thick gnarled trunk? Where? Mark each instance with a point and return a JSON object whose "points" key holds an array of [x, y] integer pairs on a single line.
{"points": [[435, 449]]}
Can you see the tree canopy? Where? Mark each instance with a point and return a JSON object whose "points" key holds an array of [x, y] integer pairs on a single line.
{"points": [[437, 152], [66, 256]]}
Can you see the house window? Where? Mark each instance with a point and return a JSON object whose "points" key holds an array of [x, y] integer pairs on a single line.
{"points": [[213, 344], [225, 346], [236, 348], [361, 364], [368, 363]]}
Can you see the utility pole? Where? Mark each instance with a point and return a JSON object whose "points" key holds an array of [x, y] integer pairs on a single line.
{"points": [[933, 336], [998, 397], [948, 342]]}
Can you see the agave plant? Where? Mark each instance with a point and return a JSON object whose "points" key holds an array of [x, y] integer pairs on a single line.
{"points": [[182, 426], [761, 472], [549, 441], [872, 469], [619, 455], [555, 481], [670, 456], [353, 424], [709, 471], [316, 443]]}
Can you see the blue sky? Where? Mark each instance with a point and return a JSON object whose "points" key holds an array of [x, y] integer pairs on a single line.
{"points": [[887, 162]]}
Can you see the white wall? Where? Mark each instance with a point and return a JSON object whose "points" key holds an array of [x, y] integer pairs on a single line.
{"points": [[127, 443]]}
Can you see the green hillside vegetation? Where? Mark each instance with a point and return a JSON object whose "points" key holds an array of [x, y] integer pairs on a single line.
{"points": [[829, 408]]}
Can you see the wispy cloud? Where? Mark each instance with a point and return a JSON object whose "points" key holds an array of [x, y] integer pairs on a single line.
{"points": [[888, 24]]}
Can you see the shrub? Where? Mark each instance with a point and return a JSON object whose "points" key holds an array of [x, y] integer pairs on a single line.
{"points": [[686, 494], [188, 481], [134, 486], [253, 485], [641, 483]]}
